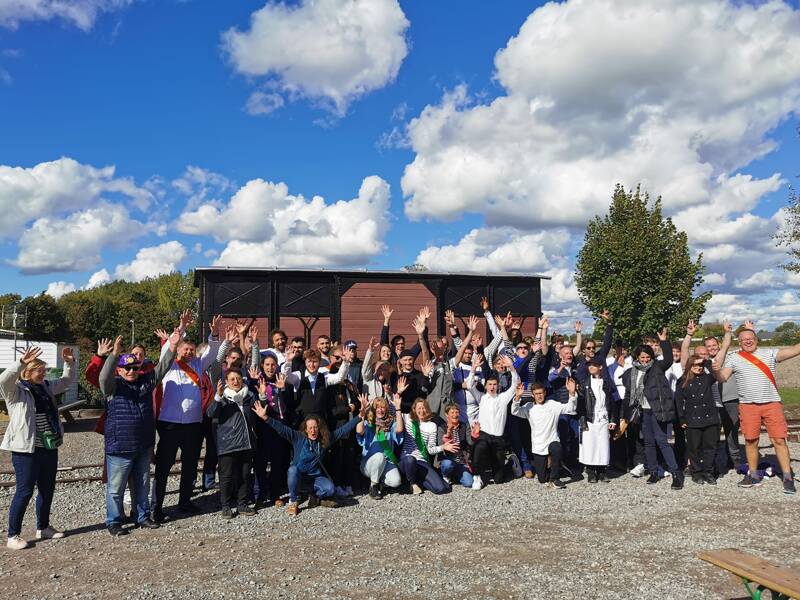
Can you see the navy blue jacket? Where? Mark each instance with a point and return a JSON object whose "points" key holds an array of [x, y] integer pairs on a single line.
{"points": [[130, 421]]}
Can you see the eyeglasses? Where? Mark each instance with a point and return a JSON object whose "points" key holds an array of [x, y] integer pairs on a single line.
{"points": [[591, 347], [697, 364], [337, 357], [131, 368]]}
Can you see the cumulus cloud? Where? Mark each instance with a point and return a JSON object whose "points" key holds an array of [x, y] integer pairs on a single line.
{"points": [[263, 103], [152, 262], [332, 51], [56, 289], [74, 243], [265, 225], [80, 13], [98, 278], [58, 187], [201, 186]]}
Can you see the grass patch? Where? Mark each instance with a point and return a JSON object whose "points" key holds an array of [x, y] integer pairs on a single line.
{"points": [[790, 396]]}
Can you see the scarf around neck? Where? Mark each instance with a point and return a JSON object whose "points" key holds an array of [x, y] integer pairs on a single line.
{"points": [[236, 397]]}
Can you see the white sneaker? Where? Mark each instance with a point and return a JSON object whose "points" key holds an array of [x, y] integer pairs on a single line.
{"points": [[638, 470], [477, 482], [50, 533], [446, 479], [16, 543], [415, 489], [126, 498], [515, 466]]}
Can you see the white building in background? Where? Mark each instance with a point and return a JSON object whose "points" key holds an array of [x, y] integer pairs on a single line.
{"points": [[51, 354]]}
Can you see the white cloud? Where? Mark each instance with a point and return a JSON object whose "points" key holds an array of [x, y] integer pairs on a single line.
{"points": [[58, 187], [265, 225], [263, 103], [152, 262], [98, 278], [56, 289], [201, 185], [332, 51], [80, 13], [712, 279], [74, 243]]}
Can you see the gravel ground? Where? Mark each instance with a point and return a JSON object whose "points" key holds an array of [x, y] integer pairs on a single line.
{"points": [[520, 540]]}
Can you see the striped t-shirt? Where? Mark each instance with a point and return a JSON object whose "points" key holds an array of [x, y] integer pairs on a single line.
{"points": [[753, 385]]}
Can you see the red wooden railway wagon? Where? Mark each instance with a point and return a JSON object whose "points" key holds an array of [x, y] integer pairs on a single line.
{"points": [[346, 304]]}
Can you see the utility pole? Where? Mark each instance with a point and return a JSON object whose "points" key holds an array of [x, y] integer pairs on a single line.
{"points": [[133, 332]]}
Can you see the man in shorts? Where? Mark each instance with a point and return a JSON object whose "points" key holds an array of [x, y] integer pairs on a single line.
{"points": [[759, 401]]}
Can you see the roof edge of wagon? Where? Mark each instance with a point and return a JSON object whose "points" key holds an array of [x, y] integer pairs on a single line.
{"points": [[356, 272]]}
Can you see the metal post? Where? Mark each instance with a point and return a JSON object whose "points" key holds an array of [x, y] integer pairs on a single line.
{"points": [[133, 332]]}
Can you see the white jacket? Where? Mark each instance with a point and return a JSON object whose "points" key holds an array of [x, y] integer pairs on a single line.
{"points": [[20, 435]]}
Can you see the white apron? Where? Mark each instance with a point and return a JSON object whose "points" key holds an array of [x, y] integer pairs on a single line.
{"points": [[595, 446]]}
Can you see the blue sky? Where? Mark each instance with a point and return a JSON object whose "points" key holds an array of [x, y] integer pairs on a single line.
{"points": [[152, 88]]}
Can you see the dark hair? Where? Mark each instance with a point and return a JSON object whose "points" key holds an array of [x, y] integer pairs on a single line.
{"points": [[135, 346], [324, 432], [274, 331], [234, 349], [537, 386], [299, 338], [646, 349], [688, 375], [450, 406], [492, 376], [324, 337], [650, 339], [396, 339], [710, 337], [676, 346]]}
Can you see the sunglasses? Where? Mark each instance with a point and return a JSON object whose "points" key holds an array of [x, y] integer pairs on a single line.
{"points": [[698, 364], [131, 368], [591, 347]]}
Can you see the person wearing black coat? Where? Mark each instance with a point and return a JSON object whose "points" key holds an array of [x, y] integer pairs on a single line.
{"points": [[649, 400], [698, 416]]}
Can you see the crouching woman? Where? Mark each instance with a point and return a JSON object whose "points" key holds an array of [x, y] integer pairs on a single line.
{"points": [[33, 435], [309, 442], [378, 435]]}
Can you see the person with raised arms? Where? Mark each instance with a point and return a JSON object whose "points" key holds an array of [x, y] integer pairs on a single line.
{"points": [[379, 434]]}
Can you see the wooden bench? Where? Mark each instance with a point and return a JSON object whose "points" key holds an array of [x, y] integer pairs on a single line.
{"points": [[757, 574], [66, 408]]}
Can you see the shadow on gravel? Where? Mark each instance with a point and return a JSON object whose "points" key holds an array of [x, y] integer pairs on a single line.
{"points": [[85, 529]]}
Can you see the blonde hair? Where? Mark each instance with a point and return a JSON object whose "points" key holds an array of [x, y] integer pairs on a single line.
{"points": [[34, 364], [413, 412]]}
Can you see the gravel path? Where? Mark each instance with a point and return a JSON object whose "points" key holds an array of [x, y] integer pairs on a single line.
{"points": [[520, 540]]}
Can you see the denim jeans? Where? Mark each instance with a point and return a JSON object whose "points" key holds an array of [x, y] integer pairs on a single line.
{"points": [[319, 485], [38, 469], [420, 472], [456, 472], [655, 435], [120, 467]]}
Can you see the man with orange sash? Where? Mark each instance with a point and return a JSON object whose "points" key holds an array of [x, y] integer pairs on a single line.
{"points": [[759, 401], [180, 418]]}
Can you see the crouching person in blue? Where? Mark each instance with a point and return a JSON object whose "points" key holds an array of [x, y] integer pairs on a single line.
{"points": [[130, 431], [309, 442], [232, 425]]}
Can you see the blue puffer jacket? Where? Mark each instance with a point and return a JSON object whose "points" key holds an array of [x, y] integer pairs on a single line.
{"points": [[130, 422]]}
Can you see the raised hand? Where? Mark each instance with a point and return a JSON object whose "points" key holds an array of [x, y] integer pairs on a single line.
{"points": [[425, 313], [387, 313], [67, 355], [348, 355], [605, 315], [506, 360], [476, 360], [230, 333], [161, 334], [518, 391], [118, 346], [261, 411], [571, 386], [253, 334], [215, 323], [475, 430], [537, 345], [241, 326], [427, 367], [254, 373], [280, 381], [186, 319], [484, 304], [727, 326], [174, 338], [477, 341], [578, 326], [104, 347], [397, 402], [262, 385], [662, 335], [517, 324], [500, 321], [450, 318], [544, 323], [402, 384], [691, 327], [364, 400], [472, 323], [419, 325], [749, 325], [220, 387], [508, 321]]}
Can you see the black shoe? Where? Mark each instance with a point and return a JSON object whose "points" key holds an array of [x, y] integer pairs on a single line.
{"points": [[158, 515], [189, 508], [313, 501], [677, 480], [557, 483], [698, 479], [116, 530], [247, 511], [591, 477], [148, 524], [227, 514], [601, 476], [375, 491], [710, 479], [654, 478], [789, 487]]}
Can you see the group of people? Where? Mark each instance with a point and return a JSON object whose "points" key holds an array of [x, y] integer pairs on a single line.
{"points": [[319, 424]]}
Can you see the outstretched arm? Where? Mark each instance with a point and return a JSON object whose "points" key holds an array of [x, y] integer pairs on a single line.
{"points": [[691, 328]]}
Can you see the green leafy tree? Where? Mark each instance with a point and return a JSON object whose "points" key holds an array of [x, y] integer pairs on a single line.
{"points": [[786, 334], [45, 321], [635, 263]]}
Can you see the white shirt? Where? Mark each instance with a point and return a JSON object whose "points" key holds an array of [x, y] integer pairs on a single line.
{"points": [[753, 385], [491, 409], [182, 402], [544, 421], [294, 378], [674, 373]]}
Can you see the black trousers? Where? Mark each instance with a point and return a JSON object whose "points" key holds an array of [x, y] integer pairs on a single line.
{"points": [[489, 456], [339, 462], [680, 444], [234, 472], [701, 443], [187, 437], [554, 451], [729, 415], [634, 445]]}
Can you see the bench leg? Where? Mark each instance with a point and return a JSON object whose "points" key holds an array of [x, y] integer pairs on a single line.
{"points": [[755, 593]]}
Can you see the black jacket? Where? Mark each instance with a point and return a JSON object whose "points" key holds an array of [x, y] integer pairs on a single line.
{"points": [[587, 402], [695, 402], [417, 388], [233, 427], [656, 388]]}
